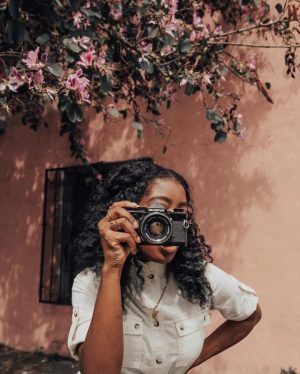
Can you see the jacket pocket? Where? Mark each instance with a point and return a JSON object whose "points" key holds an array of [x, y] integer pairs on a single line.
{"points": [[133, 342], [190, 334]]}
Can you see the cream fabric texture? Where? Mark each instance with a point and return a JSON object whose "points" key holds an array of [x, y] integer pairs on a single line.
{"points": [[174, 345]]}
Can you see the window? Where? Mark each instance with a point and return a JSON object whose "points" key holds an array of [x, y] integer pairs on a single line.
{"points": [[66, 192]]}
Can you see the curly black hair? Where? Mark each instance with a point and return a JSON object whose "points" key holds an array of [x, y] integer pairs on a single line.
{"points": [[130, 181]]}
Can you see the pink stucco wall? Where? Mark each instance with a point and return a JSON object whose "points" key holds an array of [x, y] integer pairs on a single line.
{"points": [[248, 206]]}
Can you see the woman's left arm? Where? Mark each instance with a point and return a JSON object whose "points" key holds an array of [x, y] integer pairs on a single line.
{"points": [[226, 335]]}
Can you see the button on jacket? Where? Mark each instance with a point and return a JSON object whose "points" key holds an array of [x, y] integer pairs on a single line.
{"points": [[172, 345]]}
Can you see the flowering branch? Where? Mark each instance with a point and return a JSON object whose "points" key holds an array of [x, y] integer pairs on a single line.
{"points": [[78, 53]]}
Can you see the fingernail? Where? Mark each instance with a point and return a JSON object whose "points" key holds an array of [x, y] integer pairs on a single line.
{"points": [[135, 224], [138, 239]]}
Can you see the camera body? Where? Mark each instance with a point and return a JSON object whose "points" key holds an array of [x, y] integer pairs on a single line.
{"points": [[159, 226]]}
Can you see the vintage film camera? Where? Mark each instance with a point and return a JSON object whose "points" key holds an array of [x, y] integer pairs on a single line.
{"points": [[159, 226]]}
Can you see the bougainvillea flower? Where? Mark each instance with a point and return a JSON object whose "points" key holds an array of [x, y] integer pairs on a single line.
{"points": [[31, 61], [87, 58], [100, 61], [77, 82], [36, 79], [16, 80]]}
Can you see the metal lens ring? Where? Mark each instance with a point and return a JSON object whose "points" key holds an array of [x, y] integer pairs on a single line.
{"points": [[156, 228]]}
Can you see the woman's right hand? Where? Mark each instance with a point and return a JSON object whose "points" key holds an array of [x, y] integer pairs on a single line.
{"points": [[117, 234]]}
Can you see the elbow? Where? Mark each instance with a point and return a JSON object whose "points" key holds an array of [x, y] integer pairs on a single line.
{"points": [[258, 313]]}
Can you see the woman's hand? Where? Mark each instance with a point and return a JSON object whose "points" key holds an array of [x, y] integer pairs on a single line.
{"points": [[117, 234]]}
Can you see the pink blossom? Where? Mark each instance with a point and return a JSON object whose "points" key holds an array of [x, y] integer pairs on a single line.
{"points": [[243, 133], [76, 82], [31, 61], [145, 47], [100, 61], [196, 36], [116, 12], [83, 42], [218, 30], [251, 63], [166, 50], [206, 79], [78, 18], [135, 19], [87, 58], [197, 21], [173, 6], [170, 24], [16, 80], [36, 79]]}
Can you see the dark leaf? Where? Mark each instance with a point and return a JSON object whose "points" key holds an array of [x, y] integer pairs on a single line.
{"points": [[189, 88], [58, 3], [185, 45], [55, 69], [42, 39], [75, 5], [268, 85], [14, 8], [106, 84], [15, 32], [90, 13], [213, 116], [69, 43], [279, 8], [74, 112], [146, 65], [152, 31], [137, 125], [220, 137]]}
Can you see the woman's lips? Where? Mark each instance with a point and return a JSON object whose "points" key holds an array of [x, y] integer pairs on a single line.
{"points": [[167, 251]]}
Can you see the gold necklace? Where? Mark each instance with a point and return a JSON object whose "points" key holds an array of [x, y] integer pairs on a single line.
{"points": [[154, 310]]}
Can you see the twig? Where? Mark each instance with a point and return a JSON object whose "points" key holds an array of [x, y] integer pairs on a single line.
{"points": [[255, 45]]}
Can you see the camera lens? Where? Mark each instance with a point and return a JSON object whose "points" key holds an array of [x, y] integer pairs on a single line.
{"points": [[156, 228]]}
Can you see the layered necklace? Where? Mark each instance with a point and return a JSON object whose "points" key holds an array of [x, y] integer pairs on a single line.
{"points": [[154, 310]]}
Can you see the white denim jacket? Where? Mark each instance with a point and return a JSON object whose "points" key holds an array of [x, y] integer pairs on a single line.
{"points": [[174, 345]]}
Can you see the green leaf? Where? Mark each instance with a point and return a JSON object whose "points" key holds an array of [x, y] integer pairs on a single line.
{"points": [[58, 3], [236, 126], [74, 112], [69, 43], [146, 65], [279, 8], [106, 84], [90, 13], [75, 5], [220, 137], [213, 116], [217, 126], [14, 8], [189, 88], [15, 31], [55, 69], [185, 45], [137, 125], [114, 112], [268, 85], [69, 58], [152, 31], [42, 39]]}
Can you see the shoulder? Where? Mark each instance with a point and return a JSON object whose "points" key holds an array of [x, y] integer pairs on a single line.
{"points": [[87, 281]]}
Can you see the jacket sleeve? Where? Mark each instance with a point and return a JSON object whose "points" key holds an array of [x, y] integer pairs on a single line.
{"points": [[234, 299], [84, 294]]}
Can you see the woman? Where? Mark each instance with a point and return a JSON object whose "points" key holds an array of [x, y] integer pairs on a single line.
{"points": [[143, 308]]}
